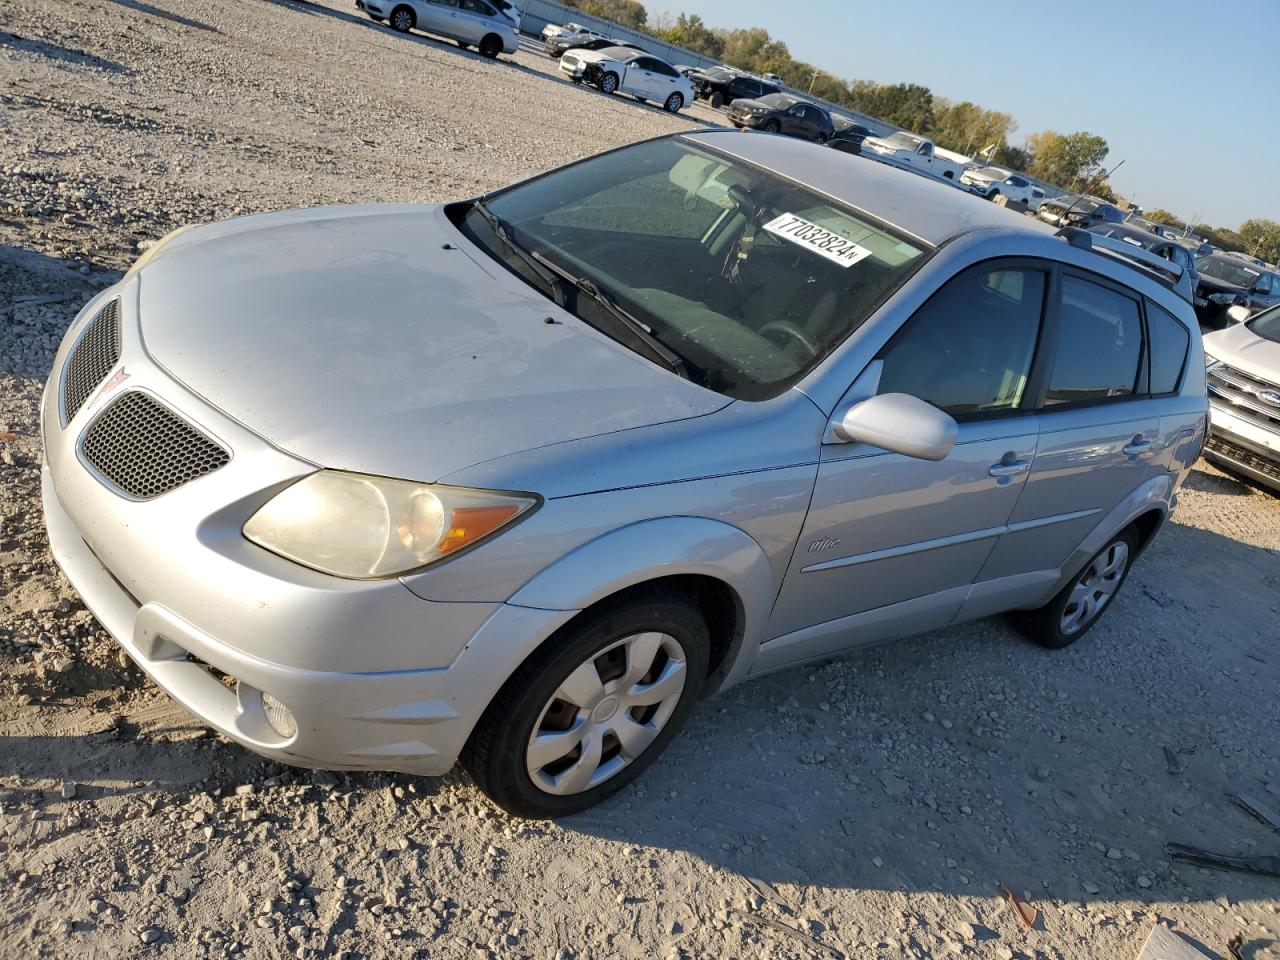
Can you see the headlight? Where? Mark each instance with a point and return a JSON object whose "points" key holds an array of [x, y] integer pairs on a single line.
{"points": [[364, 527], [149, 254]]}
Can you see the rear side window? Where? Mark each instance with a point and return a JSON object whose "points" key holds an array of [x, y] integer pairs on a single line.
{"points": [[1169, 341], [1099, 345], [969, 349]]}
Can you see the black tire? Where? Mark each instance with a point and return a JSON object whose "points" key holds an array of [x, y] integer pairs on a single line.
{"points": [[490, 46], [771, 126], [402, 19], [992, 195], [1045, 625], [716, 100], [674, 103], [495, 755], [608, 83]]}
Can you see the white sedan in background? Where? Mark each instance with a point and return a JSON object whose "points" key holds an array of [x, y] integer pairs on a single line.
{"points": [[623, 70], [991, 182]]}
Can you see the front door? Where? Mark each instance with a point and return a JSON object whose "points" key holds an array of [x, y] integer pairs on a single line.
{"points": [[437, 16], [891, 544]]}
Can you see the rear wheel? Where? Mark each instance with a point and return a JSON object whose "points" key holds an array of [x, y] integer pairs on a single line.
{"points": [[585, 715], [402, 19], [675, 103], [608, 83], [491, 46], [1080, 604]]}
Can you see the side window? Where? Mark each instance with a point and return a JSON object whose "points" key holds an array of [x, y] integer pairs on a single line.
{"points": [[476, 6], [643, 63], [662, 68], [1169, 342], [969, 349], [1099, 346]]}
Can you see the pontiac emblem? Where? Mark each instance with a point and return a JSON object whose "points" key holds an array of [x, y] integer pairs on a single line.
{"points": [[117, 378]]}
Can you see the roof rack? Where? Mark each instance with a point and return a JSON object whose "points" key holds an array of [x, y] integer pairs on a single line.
{"points": [[1166, 271]]}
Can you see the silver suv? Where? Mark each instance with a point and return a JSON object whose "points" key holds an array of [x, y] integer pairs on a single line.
{"points": [[520, 479], [1244, 397]]}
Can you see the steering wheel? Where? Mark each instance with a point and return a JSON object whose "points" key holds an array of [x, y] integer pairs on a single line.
{"points": [[791, 330]]}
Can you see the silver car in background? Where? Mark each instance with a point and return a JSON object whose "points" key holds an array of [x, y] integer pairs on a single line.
{"points": [[518, 480]]}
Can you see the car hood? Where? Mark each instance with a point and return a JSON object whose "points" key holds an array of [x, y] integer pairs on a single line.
{"points": [[1240, 347], [378, 339], [1225, 286]]}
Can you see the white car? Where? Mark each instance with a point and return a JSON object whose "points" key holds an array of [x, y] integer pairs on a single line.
{"points": [[484, 24], [913, 152], [1243, 370], [992, 182], [569, 30], [623, 70]]}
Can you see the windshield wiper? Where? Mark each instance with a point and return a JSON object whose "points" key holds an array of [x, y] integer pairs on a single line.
{"points": [[637, 328], [499, 227]]}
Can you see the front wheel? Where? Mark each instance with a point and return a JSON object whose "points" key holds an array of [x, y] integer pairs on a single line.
{"points": [[585, 715], [674, 103], [771, 126], [609, 83], [402, 19], [1080, 604], [491, 46], [716, 100]]}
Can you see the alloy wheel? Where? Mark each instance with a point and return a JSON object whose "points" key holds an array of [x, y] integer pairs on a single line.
{"points": [[402, 20], [606, 713], [674, 103], [1094, 588]]}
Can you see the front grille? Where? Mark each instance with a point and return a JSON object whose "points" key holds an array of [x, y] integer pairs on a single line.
{"points": [[145, 449], [1243, 457], [95, 353], [1242, 391]]}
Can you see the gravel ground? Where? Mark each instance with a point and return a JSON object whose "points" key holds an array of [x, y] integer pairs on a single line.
{"points": [[864, 808]]}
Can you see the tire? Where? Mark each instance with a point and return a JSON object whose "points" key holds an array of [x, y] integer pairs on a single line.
{"points": [[490, 46], [771, 126], [820, 139], [402, 19], [608, 83], [716, 100], [543, 693], [674, 103], [1058, 623]]}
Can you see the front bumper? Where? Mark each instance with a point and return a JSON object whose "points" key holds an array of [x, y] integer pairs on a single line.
{"points": [[374, 676], [1244, 444]]}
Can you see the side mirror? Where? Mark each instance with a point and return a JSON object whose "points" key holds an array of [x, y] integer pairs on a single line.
{"points": [[1238, 313], [900, 423]]}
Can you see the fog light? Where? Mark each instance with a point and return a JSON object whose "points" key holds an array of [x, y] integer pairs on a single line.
{"points": [[279, 716]]}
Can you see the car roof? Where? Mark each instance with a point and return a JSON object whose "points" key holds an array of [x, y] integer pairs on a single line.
{"points": [[929, 211]]}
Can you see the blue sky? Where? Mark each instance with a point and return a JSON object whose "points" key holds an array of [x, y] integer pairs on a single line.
{"points": [[1184, 92]]}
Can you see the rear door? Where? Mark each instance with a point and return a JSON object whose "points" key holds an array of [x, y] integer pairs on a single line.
{"points": [[475, 20], [1099, 431], [891, 543], [641, 80]]}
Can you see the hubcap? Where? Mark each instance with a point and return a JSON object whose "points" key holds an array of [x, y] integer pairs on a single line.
{"points": [[609, 84], [402, 21], [606, 713], [1094, 588], [674, 102]]}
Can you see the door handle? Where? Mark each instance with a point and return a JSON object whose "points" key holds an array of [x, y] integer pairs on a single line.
{"points": [[1137, 446], [1009, 469]]}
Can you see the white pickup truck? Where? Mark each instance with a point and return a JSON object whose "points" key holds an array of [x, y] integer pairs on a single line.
{"points": [[916, 153]]}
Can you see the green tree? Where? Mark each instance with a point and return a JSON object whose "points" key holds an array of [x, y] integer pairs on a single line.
{"points": [[691, 33], [1262, 238], [1160, 215], [969, 128], [1066, 158], [907, 105], [627, 13]]}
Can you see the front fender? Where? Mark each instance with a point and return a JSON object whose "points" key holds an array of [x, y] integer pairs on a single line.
{"points": [[666, 547]]}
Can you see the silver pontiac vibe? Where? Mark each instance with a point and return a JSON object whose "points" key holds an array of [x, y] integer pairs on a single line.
{"points": [[518, 480]]}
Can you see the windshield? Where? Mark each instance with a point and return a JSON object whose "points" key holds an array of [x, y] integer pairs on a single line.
{"points": [[777, 101], [903, 139], [1267, 324], [1228, 271], [748, 278], [993, 173]]}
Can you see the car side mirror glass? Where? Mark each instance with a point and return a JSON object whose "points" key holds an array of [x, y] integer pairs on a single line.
{"points": [[900, 423]]}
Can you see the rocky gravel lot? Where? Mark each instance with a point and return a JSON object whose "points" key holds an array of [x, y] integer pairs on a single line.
{"points": [[865, 808]]}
